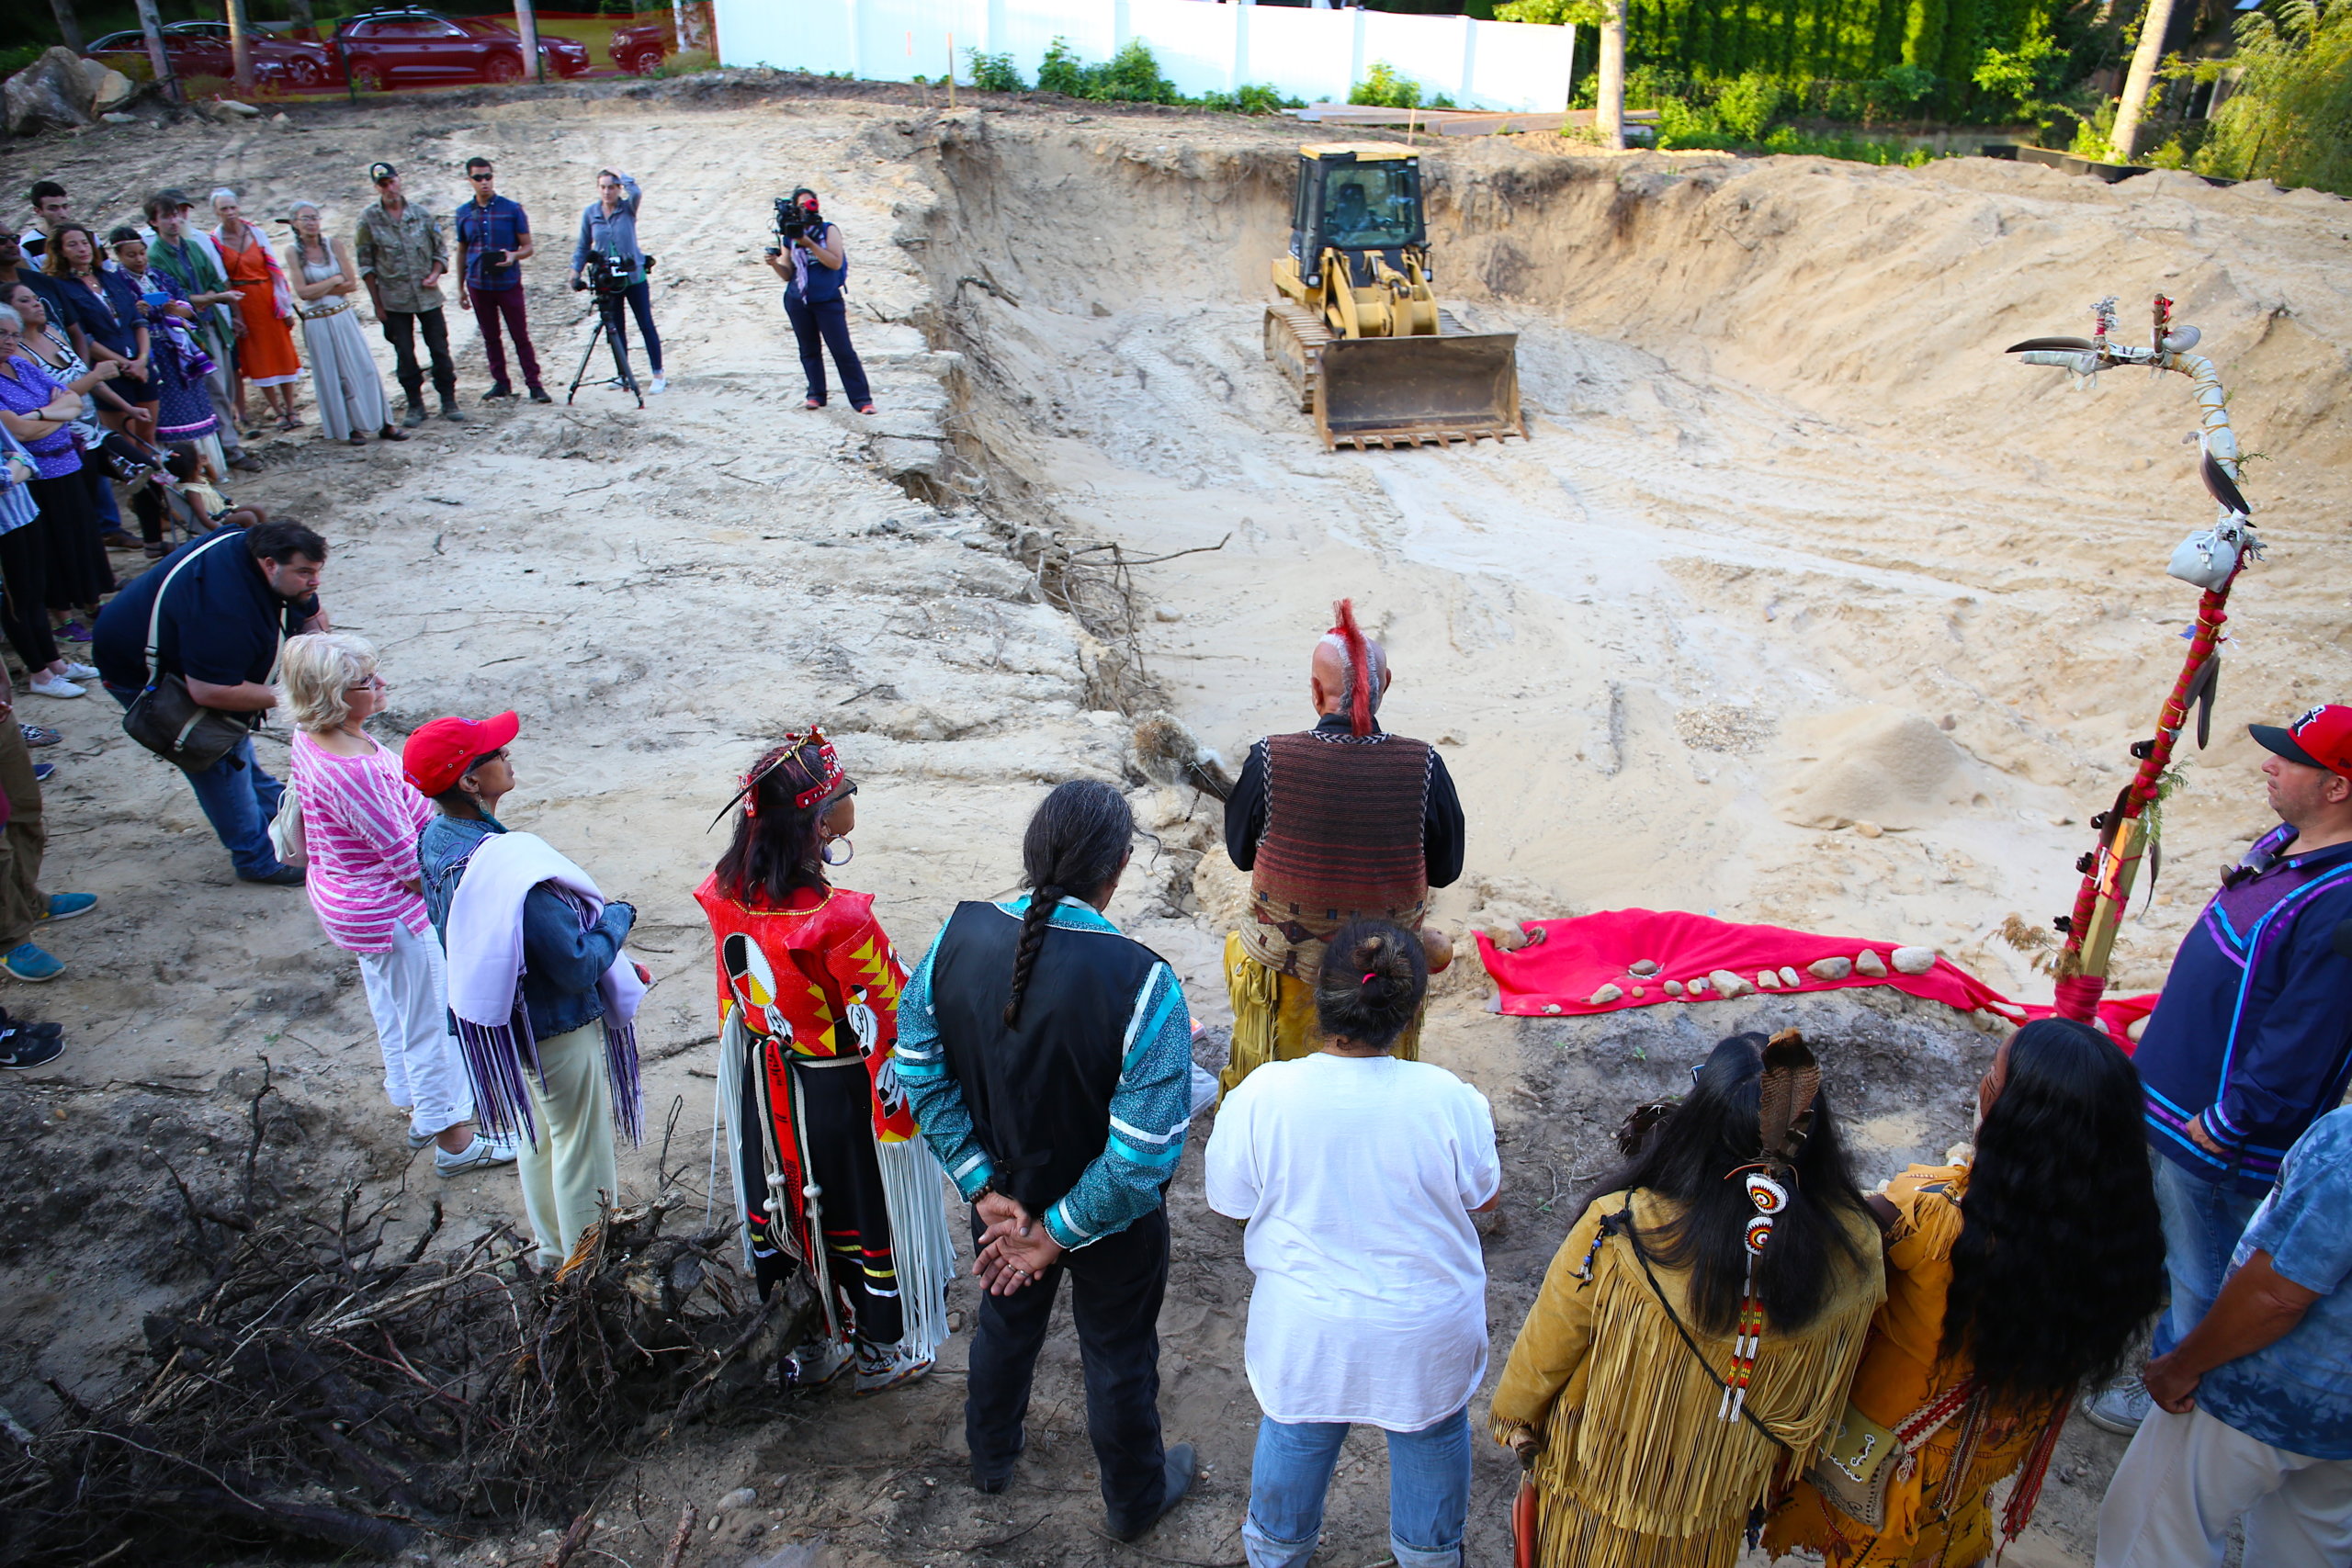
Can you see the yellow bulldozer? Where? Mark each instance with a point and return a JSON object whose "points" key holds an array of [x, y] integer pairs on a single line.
{"points": [[1374, 357]]}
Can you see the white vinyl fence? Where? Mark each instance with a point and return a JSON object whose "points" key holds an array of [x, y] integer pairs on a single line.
{"points": [[1202, 46]]}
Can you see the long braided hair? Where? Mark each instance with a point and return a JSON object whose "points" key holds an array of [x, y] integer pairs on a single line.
{"points": [[1074, 847]]}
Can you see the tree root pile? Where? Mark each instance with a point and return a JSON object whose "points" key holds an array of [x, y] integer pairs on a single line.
{"points": [[324, 1390]]}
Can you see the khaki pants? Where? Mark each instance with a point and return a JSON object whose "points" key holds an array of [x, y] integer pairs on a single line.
{"points": [[2185, 1478], [1274, 1017], [574, 1160], [22, 904]]}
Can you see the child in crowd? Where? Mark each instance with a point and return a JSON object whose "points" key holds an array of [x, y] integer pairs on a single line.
{"points": [[196, 482]]}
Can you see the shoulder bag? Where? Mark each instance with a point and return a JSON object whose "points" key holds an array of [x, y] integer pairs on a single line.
{"points": [[164, 717]]}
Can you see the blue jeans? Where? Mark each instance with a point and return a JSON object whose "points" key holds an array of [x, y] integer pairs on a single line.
{"points": [[640, 305], [1429, 1491], [238, 799], [2202, 1223], [821, 326]]}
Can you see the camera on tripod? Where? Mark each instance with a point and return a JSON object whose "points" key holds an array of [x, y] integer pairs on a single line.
{"points": [[610, 273]]}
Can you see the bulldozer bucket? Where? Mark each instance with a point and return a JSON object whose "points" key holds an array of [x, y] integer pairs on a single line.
{"points": [[1388, 391]]}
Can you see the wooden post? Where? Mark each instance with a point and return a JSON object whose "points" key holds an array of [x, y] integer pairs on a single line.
{"points": [[151, 24], [951, 71], [69, 25], [241, 47], [526, 22]]}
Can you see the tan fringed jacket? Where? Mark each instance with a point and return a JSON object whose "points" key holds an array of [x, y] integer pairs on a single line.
{"points": [[1636, 1469]]}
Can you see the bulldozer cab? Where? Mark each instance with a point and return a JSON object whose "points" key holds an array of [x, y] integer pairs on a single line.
{"points": [[1355, 200]]}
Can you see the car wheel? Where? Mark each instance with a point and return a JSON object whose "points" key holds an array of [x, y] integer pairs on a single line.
{"points": [[368, 78], [303, 72], [503, 68], [645, 63]]}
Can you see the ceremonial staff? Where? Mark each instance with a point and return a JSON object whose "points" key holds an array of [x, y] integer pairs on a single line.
{"points": [[2210, 560]]}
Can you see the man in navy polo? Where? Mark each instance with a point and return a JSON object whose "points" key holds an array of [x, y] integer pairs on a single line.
{"points": [[2251, 1042], [494, 240]]}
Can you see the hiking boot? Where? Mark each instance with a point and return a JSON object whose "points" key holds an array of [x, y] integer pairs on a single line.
{"points": [[2120, 1406], [814, 1365], [449, 410], [539, 395], [497, 389], [881, 1366], [1177, 1481], [415, 414]]}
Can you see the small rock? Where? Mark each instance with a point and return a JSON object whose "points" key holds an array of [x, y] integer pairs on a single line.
{"points": [[118, 118], [1551, 1007], [741, 1497], [1788, 976], [1698, 984], [1830, 968], [1767, 980], [1727, 983], [1450, 737], [1869, 963], [1604, 995], [1869, 829], [1644, 967], [1915, 960], [1166, 612], [242, 111], [1674, 987]]}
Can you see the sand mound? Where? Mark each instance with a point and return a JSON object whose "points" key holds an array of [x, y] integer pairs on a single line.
{"points": [[1871, 764]]}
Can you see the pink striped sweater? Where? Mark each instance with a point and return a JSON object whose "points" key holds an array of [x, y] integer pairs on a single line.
{"points": [[362, 820]]}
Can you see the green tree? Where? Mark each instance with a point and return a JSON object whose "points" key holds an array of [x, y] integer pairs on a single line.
{"points": [[2288, 119]]}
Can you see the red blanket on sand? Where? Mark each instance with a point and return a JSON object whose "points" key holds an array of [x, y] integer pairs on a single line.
{"points": [[1560, 973]]}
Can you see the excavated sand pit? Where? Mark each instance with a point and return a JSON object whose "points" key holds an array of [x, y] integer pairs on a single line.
{"points": [[1801, 604]]}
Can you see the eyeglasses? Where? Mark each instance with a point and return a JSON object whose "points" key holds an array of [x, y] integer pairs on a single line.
{"points": [[373, 684]]}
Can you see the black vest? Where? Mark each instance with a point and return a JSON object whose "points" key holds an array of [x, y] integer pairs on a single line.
{"points": [[1039, 1094]]}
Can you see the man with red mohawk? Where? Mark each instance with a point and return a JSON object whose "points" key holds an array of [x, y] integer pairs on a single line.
{"points": [[1342, 822]]}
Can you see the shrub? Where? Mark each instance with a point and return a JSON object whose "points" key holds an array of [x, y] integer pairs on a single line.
{"points": [[994, 73], [1749, 106], [1130, 76], [1061, 70], [2287, 119], [1384, 88]]}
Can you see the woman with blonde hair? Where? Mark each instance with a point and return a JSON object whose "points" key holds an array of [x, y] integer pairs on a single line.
{"points": [[360, 821]]}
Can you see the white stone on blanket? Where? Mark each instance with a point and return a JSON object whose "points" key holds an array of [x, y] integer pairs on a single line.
{"points": [[1914, 960], [1727, 983], [1604, 995], [1869, 963], [1788, 976], [1830, 968]]}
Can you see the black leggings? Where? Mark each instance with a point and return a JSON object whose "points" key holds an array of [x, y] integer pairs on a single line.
{"points": [[24, 570], [821, 326]]}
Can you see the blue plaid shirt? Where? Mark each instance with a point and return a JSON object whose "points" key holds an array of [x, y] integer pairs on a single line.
{"points": [[1150, 1110], [16, 505]]}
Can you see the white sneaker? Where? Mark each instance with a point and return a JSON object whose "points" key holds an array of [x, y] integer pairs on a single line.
{"points": [[45, 684], [661, 384], [73, 672], [479, 1154], [2120, 1406]]}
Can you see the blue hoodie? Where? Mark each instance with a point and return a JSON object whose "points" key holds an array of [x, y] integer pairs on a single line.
{"points": [[2252, 1038]]}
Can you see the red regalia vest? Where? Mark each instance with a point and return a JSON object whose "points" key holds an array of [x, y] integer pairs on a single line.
{"points": [[1343, 841]]}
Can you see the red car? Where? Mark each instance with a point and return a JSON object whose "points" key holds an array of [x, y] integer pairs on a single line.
{"points": [[641, 49], [201, 49], [413, 48]]}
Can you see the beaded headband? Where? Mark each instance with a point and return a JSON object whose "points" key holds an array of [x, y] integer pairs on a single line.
{"points": [[829, 772]]}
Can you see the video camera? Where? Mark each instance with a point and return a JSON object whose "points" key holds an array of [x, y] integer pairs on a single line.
{"points": [[610, 273], [794, 221]]}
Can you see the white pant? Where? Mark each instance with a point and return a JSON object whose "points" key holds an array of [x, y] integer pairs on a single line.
{"points": [[2186, 1477], [422, 1073]]}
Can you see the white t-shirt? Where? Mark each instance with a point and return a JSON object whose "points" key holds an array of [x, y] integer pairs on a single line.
{"points": [[1357, 1176]]}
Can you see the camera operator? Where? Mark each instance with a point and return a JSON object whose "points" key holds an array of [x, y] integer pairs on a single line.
{"points": [[608, 227], [814, 275]]}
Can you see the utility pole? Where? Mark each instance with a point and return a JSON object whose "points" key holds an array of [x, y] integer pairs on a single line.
{"points": [[526, 22], [2132, 107], [151, 24], [1609, 92], [241, 47], [69, 27]]}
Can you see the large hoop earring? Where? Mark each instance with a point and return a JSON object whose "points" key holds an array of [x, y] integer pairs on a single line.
{"points": [[849, 851]]}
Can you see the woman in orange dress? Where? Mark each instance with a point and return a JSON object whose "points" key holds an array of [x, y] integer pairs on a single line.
{"points": [[265, 355], [2012, 1280]]}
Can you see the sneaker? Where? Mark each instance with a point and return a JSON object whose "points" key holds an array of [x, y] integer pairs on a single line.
{"points": [[865, 408], [2120, 1406], [30, 1045], [661, 384], [73, 631], [48, 685], [814, 1365], [539, 395], [246, 462], [284, 876], [25, 962], [497, 389], [66, 905], [39, 735], [416, 1141], [887, 1367], [76, 670], [44, 771], [479, 1154], [1177, 1481]]}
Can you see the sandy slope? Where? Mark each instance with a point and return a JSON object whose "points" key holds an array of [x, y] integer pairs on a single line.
{"points": [[1791, 545]]}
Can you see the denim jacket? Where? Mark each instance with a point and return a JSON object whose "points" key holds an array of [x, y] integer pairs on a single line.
{"points": [[562, 962]]}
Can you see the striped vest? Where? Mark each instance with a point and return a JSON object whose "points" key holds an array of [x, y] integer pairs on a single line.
{"points": [[1343, 841]]}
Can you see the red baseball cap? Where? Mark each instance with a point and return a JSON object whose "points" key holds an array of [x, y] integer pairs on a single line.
{"points": [[439, 752], [2320, 738]]}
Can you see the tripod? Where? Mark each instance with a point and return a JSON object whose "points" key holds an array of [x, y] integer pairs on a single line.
{"points": [[612, 328]]}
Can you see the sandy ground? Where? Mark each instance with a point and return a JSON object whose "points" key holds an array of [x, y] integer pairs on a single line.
{"points": [[1802, 605]]}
